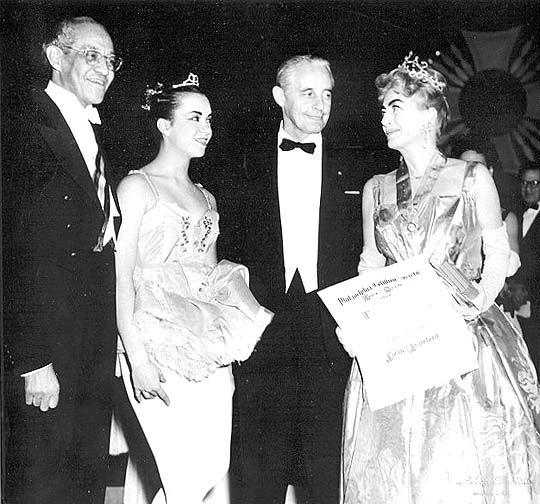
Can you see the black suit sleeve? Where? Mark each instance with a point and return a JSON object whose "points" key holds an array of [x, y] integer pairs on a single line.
{"points": [[30, 290]]}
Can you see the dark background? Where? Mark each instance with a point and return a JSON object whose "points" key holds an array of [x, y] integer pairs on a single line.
{"points": [[235, 48]]}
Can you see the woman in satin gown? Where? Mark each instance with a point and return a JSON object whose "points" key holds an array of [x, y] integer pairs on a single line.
{"points": [[182, 317], [474, 439]]}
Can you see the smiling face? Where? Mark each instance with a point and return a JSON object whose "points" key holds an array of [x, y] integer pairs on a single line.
{"points": [[189, 130], [530, 186], [404, 120], [88, 83], [306, 100]]}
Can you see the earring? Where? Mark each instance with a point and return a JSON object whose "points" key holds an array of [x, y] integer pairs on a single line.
{"points": [[426, 140]]}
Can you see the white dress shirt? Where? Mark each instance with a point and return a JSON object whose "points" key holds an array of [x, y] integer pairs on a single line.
{"points": [[78, 119], [299, 177], [528, 218]]}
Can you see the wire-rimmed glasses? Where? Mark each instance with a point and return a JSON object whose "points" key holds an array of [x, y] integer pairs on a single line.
{"points": [[533, 184], [93, 57]]}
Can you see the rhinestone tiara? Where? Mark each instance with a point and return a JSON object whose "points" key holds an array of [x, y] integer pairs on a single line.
{"points": [[418, 70], [192, 80]]}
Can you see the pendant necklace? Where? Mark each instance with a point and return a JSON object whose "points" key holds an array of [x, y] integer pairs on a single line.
{"points": [[407, 205]]}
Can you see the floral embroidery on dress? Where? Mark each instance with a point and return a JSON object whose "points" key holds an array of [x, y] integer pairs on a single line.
{"points": [[206, 225]]}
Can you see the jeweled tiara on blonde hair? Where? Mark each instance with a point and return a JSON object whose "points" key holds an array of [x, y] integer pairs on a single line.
{"points": [[418, 70], [192, 80]]}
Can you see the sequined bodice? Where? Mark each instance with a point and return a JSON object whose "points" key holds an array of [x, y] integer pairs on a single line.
{"points": [[442, 223], [172, 246], [169, 234]]}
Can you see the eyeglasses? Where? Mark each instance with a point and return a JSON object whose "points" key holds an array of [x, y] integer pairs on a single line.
{"points": [[533, 184], [94, 57]]}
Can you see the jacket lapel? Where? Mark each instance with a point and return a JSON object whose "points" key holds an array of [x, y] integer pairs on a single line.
{"points": [[275, 221], [533, 231], [60, 139], [327, 220]]}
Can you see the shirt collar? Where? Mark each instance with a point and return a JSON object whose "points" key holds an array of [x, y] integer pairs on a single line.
{"points": [[68, 103]]}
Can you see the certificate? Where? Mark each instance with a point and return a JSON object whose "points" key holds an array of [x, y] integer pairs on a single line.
{"points": [[410, 337]]}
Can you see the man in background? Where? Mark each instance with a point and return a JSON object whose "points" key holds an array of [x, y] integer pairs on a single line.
{"points": [[529, 252]]}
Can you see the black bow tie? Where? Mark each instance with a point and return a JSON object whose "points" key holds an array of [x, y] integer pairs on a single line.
{"points": [[533, 206], [288, 145]]}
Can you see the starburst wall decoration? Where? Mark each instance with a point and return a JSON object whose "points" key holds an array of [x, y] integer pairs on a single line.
{"points": [[494, 93]]}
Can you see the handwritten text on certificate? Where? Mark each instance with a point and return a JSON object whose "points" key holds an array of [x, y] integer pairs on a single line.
{"points": [[410, 338]]}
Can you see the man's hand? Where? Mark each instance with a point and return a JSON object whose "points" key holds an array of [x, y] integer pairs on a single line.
{"points": [[41, 389]]}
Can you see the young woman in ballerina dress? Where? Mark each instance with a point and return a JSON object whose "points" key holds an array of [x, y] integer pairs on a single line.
{"points": [[473, 440], [183, 317]]}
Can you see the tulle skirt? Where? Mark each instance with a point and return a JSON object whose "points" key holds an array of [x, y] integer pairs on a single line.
{"points": [[195, 332]]}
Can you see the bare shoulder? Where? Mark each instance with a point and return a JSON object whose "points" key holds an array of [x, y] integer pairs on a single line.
{"points": [[212, 199], [456, 169], [381, 184], [136, 188], [382, 179], [386, 182], [460, 167], [209, 196], [511, 219], [368, 186], [454, 164]]}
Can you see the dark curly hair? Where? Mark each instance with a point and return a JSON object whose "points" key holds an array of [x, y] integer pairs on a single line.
{"points": [[160, 102]]}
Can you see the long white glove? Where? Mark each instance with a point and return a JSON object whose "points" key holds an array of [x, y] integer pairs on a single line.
{"points": [[497, 254], [513, 264], [370, 259]]}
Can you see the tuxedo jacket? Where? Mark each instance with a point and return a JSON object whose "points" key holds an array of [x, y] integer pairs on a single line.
{"points": [[60, 295], [340, 234], [529, 254]]}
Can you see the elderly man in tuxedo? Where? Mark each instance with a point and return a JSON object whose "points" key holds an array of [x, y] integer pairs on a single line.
{"points": [[302, 233], [60, 290], [529, 252]]}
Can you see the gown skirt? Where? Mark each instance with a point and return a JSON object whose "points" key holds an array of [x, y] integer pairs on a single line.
{"points": [[475, 439], [192, 444]]}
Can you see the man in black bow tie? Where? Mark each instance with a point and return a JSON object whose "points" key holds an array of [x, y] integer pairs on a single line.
{"points": [[288, 145], [529, 253], [302, 233]]}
